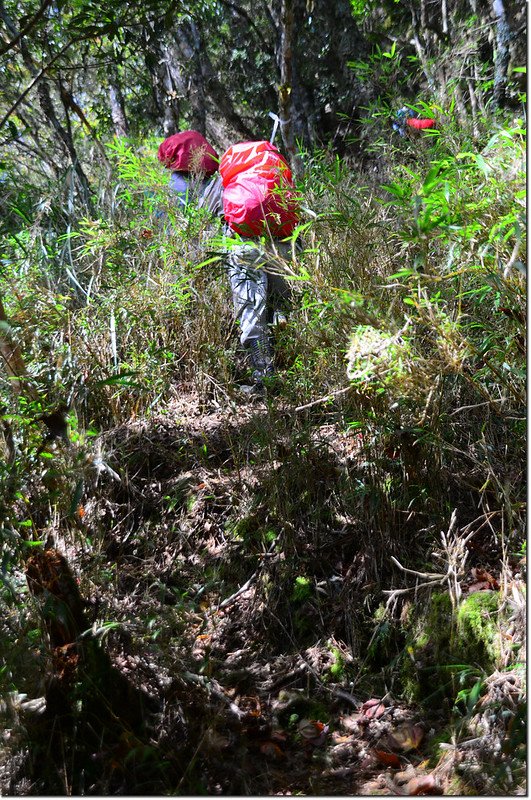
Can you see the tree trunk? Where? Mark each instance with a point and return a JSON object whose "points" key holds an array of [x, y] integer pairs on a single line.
{"points": [[192, 48], [65, 137], [501, 60], [43, 91], [285, 90], [81, 673], [473, 109], [460, 105], [188, 40], [444, 15], [421, 45], [166, 94], [117, 104]]}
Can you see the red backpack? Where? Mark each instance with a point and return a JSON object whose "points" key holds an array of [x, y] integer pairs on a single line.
{"points": [[420, 124], [258, 192], [188, 151]]}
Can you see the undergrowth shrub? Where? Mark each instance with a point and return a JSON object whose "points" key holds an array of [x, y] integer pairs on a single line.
{"points": [[405, 338]]}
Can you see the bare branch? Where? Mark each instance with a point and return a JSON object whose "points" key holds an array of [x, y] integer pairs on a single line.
{"points": [[430, 575], [324, 399]]}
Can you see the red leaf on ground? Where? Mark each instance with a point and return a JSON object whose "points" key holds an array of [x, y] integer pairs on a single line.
{"points": [[279, 737], [313, 731], [250, 706], [480, 575], [271, 750], [387, 759]]}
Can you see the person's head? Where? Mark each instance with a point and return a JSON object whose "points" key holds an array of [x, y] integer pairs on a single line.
{"points": [[189, 152]]}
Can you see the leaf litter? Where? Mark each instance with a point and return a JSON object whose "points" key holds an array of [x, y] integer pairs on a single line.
{"points": [[242, 698]]}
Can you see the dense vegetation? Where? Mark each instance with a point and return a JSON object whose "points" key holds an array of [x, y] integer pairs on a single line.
{"points": [[316, 591]]}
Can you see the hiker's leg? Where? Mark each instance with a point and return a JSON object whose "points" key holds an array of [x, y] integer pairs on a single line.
{"points": [[249, 287], [249, 284], [279, 291]]}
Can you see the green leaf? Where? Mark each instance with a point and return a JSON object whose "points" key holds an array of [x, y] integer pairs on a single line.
{"points": [[432, 178], [403, 273], [213, 260], [121, 379]]}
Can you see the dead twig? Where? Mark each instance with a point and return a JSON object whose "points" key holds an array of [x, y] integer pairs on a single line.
{"points": [[213, 687], [331, 396], [453, 553], [229, 600]]}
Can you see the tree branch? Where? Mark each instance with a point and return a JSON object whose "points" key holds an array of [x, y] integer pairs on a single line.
{"points": [[37, 78], [243, 13], [31, 24]]}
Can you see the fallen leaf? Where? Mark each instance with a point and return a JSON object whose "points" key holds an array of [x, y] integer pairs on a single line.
{"points": [[250, 706], [372, 709], [407, 737], [405, 775], [368, 762], [374, 701], [341, 738], [423, 784], [387, 759], [271, 750], [215, 741], [480, 575], [313, 731]]}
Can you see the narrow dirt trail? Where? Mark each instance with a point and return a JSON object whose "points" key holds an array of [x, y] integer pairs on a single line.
{"points": [[226, 574], [234, 590]]}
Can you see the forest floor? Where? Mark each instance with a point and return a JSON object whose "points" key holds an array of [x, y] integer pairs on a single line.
{"points": [[216, 590]]}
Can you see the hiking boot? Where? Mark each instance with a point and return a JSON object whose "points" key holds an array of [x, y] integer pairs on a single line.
{"points": [[261, 358], [255, 391]]}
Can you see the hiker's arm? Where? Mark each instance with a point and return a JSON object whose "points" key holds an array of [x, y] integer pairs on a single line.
{"points": [[212, 198]]}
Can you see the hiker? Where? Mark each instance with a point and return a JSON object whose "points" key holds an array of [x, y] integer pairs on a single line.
{"points": [[243, 197], [245, 194], [407, 118], [192, 161]]}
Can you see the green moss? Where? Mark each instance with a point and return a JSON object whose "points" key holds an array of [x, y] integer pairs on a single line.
{"points": [[441, 646], [337, 669], [476, 626]]}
